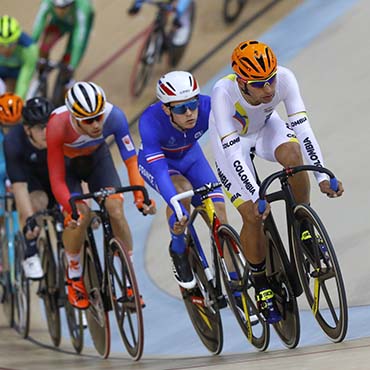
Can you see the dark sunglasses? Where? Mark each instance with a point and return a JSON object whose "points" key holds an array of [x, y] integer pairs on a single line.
{"points": [[260, 84], [90, 121], [183, 107]]}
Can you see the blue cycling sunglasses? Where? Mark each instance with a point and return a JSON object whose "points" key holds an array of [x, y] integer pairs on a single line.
{"points": [[183, 107], [260, 84]]}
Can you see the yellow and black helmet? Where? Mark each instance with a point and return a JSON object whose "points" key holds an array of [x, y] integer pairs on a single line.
{"points": [[10, 30], [253, 60]]}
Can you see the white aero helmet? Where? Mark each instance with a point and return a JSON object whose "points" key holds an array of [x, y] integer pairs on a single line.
{"points": [[85, 100], [177, 85], [62, 3]]}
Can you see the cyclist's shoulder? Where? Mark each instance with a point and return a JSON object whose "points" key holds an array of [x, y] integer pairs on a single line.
{"points": [[25, 40]]}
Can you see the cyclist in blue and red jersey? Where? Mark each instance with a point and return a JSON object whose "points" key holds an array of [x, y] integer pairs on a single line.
{"points": [[18, 56], [171, 159], [78, 131]]}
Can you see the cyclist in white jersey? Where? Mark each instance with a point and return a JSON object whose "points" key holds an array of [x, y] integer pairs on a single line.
{"points": [[243, 117]]}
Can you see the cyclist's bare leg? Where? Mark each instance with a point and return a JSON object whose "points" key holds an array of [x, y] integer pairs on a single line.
{"points": [[10, 84], [251, 235], [289, 154], [120, 226], [39, 200], [73, 238], [221, 211]]}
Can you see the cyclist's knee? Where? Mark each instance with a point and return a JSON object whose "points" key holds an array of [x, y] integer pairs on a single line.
{"points": [[249, 218], [289, 154], [114, 208]]}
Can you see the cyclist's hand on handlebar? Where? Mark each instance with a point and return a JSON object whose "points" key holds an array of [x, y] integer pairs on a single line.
{"points": [[264, 214], [180, 226], [176, 23], [326, 189], [70, 222], [31, 229], [144, 208], [133, 10]]}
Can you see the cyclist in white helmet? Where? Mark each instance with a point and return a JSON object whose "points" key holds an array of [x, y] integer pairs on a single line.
{"points": [[171, 159], [78, 131]]}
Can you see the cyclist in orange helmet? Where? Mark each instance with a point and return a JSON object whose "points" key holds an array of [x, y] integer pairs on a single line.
{"points": [[243, 118], [10, 108]]}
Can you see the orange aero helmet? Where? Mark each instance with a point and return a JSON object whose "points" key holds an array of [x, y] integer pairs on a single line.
{"points": [[10, 108], [253, 60]]}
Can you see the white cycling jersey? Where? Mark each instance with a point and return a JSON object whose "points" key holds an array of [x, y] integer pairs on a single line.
{"points": [[2, 87], [237, 126]]}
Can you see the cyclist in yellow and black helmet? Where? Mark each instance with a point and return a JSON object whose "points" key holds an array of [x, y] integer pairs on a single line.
{"points": [[18, 56]]}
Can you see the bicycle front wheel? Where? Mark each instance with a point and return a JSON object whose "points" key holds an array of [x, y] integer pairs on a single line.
{"points": [[252, 323], [7, 296], [125, 297], [96, 315], [201, 305], [288, 328], [320, 274], [22, 290], [144, 64]]}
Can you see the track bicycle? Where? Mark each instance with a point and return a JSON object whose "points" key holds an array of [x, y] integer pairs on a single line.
{"points": [[157, 42], [52, 287], [41, 85], [231, 10], [15, 286], [315, 261], [112, 285], [205, 300]]}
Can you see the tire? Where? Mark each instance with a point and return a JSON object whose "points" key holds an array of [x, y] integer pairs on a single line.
{"points": [[320, 275], [144, 64], [257, 330], [176, 52], [48, 291], [22, 291], [96, 315], [127, 310], [205, 316], [288, 329], [7, 296], [59, 90], [232, 10], [73, 315]]}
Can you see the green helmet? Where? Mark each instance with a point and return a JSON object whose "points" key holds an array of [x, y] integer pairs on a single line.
{"points": [[10, 30]]}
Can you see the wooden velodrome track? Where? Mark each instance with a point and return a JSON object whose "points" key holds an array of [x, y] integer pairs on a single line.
{"points": [[333, 75]]}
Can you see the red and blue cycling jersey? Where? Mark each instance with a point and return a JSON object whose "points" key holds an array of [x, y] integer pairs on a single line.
{"points": [[165, 150], [64, 140]]}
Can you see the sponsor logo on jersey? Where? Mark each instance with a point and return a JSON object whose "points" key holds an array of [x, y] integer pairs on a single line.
{"points": [[146, 175], [128, 143], [235, 197], [311, 152], [298, 121], [243, 176], [224, 180], [231, 143], [198, 134]]}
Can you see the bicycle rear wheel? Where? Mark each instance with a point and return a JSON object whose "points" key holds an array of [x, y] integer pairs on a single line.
{"points": [[73, 315], [201, 305], [288, 328], [232, 9], [144, 64], [252, 323], [320, 275], [48, 291], [22, 290], [96, 315], [127, 309]]}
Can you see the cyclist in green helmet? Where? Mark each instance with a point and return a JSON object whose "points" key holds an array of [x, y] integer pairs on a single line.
{"points": [[18, 56]]}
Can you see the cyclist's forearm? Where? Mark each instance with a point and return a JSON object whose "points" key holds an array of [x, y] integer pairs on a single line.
{"points": [[30, 56], [182, 6], [79, 39], [22, 201], [40, 21]]}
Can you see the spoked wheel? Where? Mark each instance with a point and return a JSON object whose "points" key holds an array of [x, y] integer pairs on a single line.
{"points": [[96, 315], [288, 328], [239, 290], [125, 298], [73, 315], [201, 304], [232, 9], [145, 62], [320, 275], [7, 296], [59, 90], [21, 290], [48, 291]]}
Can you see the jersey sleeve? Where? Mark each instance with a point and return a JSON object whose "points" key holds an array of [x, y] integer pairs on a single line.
{"points": [[40, 20], [56, 165], [222, 113], [299, 122]]}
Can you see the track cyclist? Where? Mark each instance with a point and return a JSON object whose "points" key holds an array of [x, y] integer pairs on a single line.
{"points": [[181, 21], [57, 18], [244, 117], [171, 159], [18, 56], [78, 131], [25, 155]]}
